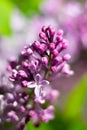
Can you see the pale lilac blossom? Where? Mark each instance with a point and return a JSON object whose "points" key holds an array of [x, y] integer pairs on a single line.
{"points": [[38, 86]]}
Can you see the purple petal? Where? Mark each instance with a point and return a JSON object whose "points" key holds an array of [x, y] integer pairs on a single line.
{"points": [[31, 85], [44, 83], [37, 78]]}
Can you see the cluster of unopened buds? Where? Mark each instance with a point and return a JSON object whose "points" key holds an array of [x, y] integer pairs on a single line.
{"points": [[30, 95]]}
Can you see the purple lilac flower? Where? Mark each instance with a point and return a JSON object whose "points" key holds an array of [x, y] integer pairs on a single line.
{"points": [[30, 74], [46, 56], [38, 84]]}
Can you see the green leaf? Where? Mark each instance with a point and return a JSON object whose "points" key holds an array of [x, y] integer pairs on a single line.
{"points": [[28, 7], [75, 101], [5, 14]]}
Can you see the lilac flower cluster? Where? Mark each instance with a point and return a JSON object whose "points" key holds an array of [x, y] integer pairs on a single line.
{"points": [[31, 95], [45, 56]]}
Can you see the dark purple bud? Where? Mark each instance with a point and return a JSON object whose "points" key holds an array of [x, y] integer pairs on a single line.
{"points": [[13, 62], [42, 48], [57, 60], [55, 53], [52, 46], [44, 29], [25, 96], [54, 69], [58, 39], [42, 35], [36, 44], [52, 30]]}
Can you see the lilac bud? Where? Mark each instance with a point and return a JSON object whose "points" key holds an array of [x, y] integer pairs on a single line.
{"points": [[52, 46], [64, 44], [55, 52], [44, 29], [42, 35], [57, 60], [59, 39], [13, 62], [60, 66], [25, 96], [42, 48], [36, 44], [54, 69], [44, 61], [52, 30], [60, 32], [67, 57], [22, 73]]}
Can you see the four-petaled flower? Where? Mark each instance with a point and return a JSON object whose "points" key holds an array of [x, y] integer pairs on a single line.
{"points": [[38, 84]]}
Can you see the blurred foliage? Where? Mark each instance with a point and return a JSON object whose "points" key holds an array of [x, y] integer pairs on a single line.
{"points": [[27, 7], [5, 15], [76, 99]]}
